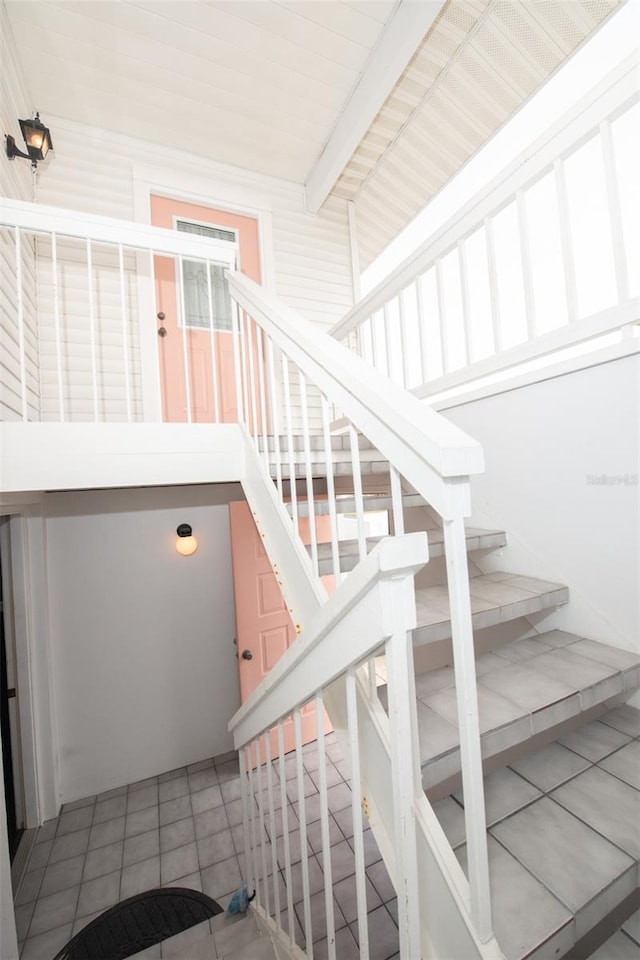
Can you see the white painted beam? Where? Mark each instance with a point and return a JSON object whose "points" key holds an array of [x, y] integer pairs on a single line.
{"points": [[400, 39]]}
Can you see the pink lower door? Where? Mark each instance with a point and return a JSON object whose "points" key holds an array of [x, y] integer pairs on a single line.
{"points": [[206, 382], [263, 624]]}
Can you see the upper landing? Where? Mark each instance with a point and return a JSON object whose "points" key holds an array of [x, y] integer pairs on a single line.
{"points": [[75, 456]]}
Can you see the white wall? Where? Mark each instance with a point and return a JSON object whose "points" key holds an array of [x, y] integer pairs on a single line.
{"points": [[542, 443], [144, 663]]}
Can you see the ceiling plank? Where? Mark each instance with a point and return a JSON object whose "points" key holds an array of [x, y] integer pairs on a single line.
{"points": [[399, 41]]}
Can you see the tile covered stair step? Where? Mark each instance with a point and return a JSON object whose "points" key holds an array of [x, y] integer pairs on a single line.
{"points": [[564, 841]]}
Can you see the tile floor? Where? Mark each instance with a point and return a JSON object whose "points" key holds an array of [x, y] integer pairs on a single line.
{"points": [[184, 828]]}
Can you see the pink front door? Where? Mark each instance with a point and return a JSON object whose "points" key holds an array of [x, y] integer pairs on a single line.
{"points": [[207, 380], [263, 624]]}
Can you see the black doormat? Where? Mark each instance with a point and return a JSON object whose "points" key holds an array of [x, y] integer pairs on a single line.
{"points": [[138, 923]]}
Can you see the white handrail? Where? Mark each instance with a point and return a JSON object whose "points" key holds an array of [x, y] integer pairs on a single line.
{"points": [[315, 660], [426, 448]]}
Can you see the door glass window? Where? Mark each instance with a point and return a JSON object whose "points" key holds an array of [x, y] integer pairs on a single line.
{"points": [[195, 283]]}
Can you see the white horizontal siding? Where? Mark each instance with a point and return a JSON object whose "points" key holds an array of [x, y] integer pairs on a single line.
{"points": [[15, 181], [94, 171]]}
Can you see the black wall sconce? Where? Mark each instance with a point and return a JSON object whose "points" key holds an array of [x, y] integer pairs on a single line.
{"points": [[37, 138], [186, 544]]}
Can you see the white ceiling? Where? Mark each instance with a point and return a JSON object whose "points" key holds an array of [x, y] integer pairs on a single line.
{"points": [[255, 83]]}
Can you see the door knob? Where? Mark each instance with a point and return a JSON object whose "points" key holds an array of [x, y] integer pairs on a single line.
{"points": [[247, 655], [162, 331]]}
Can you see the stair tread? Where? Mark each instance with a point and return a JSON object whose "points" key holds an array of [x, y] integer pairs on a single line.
{"points": [[349, 552], [495, 597], [561, 855], [524, 687]]}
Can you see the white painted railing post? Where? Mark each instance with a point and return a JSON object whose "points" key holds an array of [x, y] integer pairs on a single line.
{"points": [[405, 763], [468, 723]]}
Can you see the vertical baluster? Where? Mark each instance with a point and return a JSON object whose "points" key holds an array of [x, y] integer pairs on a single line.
{"points": [[442, 316], [464, 288], [387, 337], [468, 723], [356, 813], [357, 491], [331, 490], [260, 794], [275, 417], [92, 332], [302, 817], [374, 345], [496, 323], [422, 330], [213, 347], [245, 370], [565, 239], [255, 428], [125, 332], [249, 868], [185, 343], [396, 502], [56, 318], [324, 829], [284, 803], [308, 471], [292, 462], [403, 340], [20, 318], [615, 212], [237, 359], [272, 831], [405, 765], [157, 400], [255, 750], [527, 275], [262, 387]]}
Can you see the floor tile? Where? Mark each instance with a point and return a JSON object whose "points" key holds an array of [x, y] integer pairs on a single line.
{"points": [[51, 912], [81, 922], [172, 789], [206, 799], [383, 934], [549, 767], [211, 821], [625, 764], [377, 874], [141, 821], [346, 946], [77, 804], [144, 875], [516, 893], [103, 834], [30, 886], [632, 927], [214, 848], [607, 804], [178, 863], [110, 809], [624, 718], [23, 916], [450, 815], [222, 878], [103, 860], [176, 834], [142, 798], [172, 774], [46, 945], [504, 793], [141, 847], [47, 830], [575, 863], [617, 947], [60, 876], [70, 845], [594, 741], [76, 820], [203, 779], [172, 810], [99, 894]]}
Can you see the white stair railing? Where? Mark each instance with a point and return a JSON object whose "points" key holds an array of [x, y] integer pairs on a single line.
{"points": [[386, 430], [541, 262]]}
